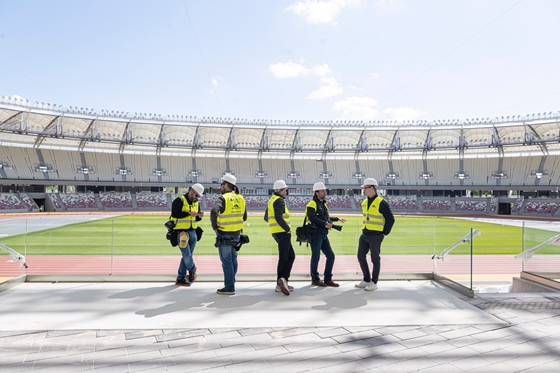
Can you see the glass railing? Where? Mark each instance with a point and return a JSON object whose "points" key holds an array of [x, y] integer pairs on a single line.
{"points": [[66, 244], [540, 254], [453, 246], [13, 254]]}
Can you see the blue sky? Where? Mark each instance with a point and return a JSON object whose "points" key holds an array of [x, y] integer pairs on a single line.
{"points": [[286, 60]]}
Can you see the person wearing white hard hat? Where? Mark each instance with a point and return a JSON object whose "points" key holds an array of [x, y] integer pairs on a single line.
{"points": [[227, 217], [185, 213], [278, 218], [317, 214], [378, 222]]}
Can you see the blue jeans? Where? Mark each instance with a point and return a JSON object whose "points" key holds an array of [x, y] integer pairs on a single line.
{"points": [[228, 256], [321, 243], [187, 262]]}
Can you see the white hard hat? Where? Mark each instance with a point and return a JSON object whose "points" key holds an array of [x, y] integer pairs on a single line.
{"points": [[230, 179], [198, 188], [319, 186], [369, 181], [279, 184]]}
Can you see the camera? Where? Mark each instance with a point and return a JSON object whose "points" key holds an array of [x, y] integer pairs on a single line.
{"points": [[170, 224], [243, 239], [337, 227]]}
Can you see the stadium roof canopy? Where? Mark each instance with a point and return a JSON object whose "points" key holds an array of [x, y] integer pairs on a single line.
{"points": [[49, 126]]}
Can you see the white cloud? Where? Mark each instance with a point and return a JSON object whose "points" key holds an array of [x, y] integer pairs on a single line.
{"points": [[403, 113], [317, 12], [321, 70], [357, 108], [329, 88], [215, 81], [289, 69], [374, 75]]}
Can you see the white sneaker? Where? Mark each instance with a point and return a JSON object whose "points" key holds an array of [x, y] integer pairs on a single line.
{"points": [[278, 290], [371, 286], [361, 285]]}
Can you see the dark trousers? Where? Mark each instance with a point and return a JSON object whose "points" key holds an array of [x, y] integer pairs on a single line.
{"points": [[321, 243], [373, 245], [286, 255]]}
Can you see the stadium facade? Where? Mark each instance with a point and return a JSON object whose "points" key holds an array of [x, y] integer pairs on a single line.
{"points": [[44, 144]]}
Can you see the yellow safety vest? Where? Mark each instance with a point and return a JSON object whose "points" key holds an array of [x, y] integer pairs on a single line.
{"points": [[373, 219], [273, 225], [188, 222], [231, 220], [313, 205]]}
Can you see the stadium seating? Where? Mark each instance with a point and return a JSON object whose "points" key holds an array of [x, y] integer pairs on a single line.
{"points": [[111, 200], [79, 200], [471, 206], [9, 201], [147, 200]]}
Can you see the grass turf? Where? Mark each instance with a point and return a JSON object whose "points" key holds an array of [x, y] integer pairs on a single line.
{"points": [[145, 235]]}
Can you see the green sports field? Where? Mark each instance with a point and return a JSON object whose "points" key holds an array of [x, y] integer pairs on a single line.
{"points": [[145, 235]]}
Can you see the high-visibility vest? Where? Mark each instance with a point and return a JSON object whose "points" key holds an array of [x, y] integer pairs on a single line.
{"points": [[188, 222], [231, 220], [313, 205], [373, 219], [273, 225]]}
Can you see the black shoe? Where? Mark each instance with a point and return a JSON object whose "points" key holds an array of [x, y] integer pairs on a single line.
{"points": [[332, 283], [192, 276], [224, 292], [318, 283], [182, 282]]}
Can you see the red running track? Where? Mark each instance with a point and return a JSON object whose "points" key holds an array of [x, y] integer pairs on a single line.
{"points": [[263, 264]]}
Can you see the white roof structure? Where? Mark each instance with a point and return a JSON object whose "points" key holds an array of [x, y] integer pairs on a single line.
{"points": [[153, 147]]}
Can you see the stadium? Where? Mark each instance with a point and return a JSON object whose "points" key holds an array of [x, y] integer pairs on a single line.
{"points": [[138, 161], [79, 160]]}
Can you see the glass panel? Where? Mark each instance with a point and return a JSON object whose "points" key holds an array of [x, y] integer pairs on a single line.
{"points": [[541, 254], [452, 245], [494, 266], [12, 248]]}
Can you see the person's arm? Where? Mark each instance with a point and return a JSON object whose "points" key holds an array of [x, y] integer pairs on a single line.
{"points": [[177, 209], [266, 215], [279, 206], [218, 208], [312, 216], [385, 210]]}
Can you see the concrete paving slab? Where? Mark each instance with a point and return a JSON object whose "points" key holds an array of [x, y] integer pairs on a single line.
{"points": [[73, 306]]}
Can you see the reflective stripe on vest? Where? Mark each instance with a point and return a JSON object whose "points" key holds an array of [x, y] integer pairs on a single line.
{"points": [[187, 222], [373, 219], [273, 225], [231, 220]]}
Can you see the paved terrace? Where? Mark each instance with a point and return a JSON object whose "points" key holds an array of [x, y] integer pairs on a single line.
{"points": [[404, 326]]}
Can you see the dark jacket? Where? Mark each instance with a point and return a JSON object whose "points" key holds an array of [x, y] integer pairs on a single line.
{"points": [[320, 217], [385, 210]]}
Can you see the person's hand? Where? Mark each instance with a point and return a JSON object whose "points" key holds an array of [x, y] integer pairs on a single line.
{"points": [[289, 232], [200, 214], [342, 220], [192, 213], [328, 225]]}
